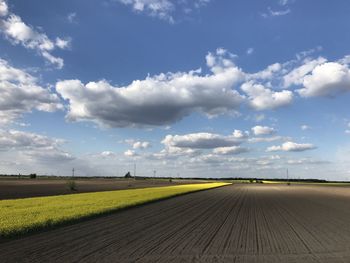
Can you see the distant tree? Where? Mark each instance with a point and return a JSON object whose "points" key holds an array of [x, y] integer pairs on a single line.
{"points": [[127, 175], [72, 185], [32, 176]]}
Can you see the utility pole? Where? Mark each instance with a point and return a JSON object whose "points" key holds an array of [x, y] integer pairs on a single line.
{"points": [[73, 172], [154, 173], [135, 171]]}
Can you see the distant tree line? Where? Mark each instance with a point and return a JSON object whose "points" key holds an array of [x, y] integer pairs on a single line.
{"points": [[128, 175]]}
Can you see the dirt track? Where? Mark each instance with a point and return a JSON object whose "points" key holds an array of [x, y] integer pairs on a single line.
{"points": [[240, 223], [22, 188]]}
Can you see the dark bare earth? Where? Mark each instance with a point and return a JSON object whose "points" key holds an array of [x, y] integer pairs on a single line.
{"points": [[22, 188], [239, 223]]}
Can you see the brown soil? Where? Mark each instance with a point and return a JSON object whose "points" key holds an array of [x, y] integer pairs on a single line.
{"points": [[22, 188], [239, 223]]}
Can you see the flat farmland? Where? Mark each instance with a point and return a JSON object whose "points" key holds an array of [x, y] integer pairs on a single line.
{"points": [[236, 223], [12, 188]]}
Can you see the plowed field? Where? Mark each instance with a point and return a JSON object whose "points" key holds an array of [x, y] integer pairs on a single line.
{"points": [[238, 223]]}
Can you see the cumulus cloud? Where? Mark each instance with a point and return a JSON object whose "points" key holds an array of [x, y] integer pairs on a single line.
{"points": [[157, 100], [130, 153], [33, 146], [230, 150], [327, 79], [141, 145], [238, 134], [268, 73], [20, 93], [296, 76], [263, 130], [18, 32], [262, 98], [310, 77], [292, 147], [172, 153], [200, 140], [13, 139], [180, 94], [50, 155]]}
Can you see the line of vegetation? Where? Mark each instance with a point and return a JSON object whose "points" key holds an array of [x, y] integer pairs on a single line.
{"points": [[306, 182], [234, 179], [22, 216]]}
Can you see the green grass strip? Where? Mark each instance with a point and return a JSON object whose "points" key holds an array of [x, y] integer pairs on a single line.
{"points": [[21, 216], [308, 183]]}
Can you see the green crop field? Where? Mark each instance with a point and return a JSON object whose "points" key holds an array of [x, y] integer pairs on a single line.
{"points": [[24, 215], [308, 183]]}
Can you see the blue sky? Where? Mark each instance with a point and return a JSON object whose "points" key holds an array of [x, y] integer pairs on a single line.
{"points": [[201, 88]]}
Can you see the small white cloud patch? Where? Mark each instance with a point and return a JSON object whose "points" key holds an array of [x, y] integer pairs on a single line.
{"points": [[18, 32], [291, 147], [263, 130]]}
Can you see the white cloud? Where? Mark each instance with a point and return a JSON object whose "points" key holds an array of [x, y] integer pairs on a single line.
{"points": [[72, 17], [268, 139], [268, 73], [348, 130], [130, 153], [141, 145], [157, 100], [296, 76], [33, 147], [250, 51], [305, 127], [18, 32], [292, 147], [13, 139], [183, 93], [108, 154], [62, 43], [263, 130], [273, 13], [3, 8], [171, 153], [50, 155], [164, 9], [306, 161], [238, 134], [230, 150], [157, 8], [200, 140], [327, 79], [20, 94], [262, 98]]}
